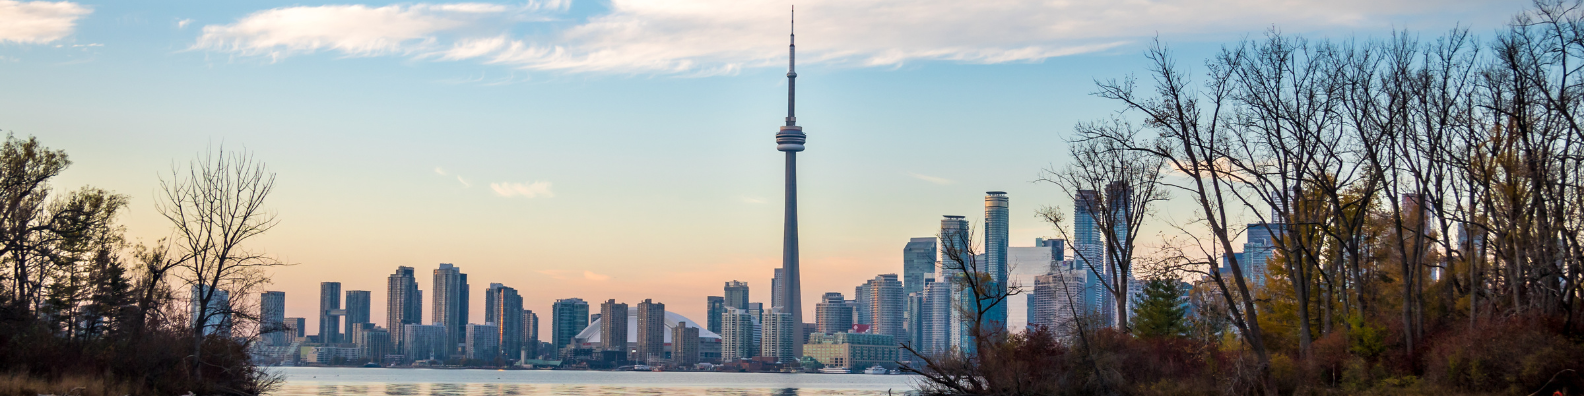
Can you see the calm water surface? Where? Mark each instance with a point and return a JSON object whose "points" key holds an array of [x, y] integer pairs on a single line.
{"points": [[304, 381]]}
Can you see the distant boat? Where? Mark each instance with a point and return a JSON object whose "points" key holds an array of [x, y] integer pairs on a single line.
{"points": [[876, 369], [835, 370], [371, 364]]}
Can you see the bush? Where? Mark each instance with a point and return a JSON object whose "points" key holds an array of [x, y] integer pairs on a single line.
{"points": [[1519, 355]]}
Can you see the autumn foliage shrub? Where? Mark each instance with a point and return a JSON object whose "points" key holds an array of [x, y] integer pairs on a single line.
{"points": [[1518, 355]]}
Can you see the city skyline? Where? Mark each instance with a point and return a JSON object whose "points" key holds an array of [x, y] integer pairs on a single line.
{"points": [[390, 161]]}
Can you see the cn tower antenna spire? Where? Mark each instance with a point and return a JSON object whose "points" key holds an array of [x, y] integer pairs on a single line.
{"points": [[792, 72]]}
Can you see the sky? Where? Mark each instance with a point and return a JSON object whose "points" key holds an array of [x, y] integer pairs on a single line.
{"points": [[618, 149]]}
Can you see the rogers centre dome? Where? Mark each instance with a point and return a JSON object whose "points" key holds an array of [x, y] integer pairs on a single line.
{"points": [[590, 336]]}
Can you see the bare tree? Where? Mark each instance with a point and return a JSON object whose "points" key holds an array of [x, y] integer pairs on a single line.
{"points": [[1192, 138], [216, 205], [1113, 189], [976, 295]]}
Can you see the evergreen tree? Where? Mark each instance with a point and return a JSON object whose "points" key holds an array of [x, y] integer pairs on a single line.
{"points": [[1161, 312]]}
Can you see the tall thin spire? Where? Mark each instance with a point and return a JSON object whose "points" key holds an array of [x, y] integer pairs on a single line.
{"points": [[790, 139], [792, 72]]}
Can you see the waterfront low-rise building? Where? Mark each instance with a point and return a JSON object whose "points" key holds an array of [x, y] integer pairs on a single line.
{"points": [[852, 350]]}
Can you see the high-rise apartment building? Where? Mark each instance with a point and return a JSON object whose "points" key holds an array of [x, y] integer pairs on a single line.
{"points": [[886, 305], [426, 342], [215, 319], [936, 314], [1089, 251], [716, 307], [376, 343], [863, 310], [450, 304], [482, 341], [995, 252], [918, 262], [737, 335], [530, 340], [833, 314], [737, 295], [1058, 297], [779, 333], [505, 311], [568, 317], [403, 305], [354, 333], [684, 344], [956, 256], [613, 326], [776, 287], [330, 312], [272, 318], [651, 331], [357, 310], [296, 328]]}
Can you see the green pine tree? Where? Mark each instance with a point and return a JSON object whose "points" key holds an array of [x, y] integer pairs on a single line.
{"points": [[1161, 312]]}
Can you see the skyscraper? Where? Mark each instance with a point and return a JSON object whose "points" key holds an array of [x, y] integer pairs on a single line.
{"points": [[737, 295], [482, 341], [956, 256], [651, 331], [1119, 198], [376, 343], [296, 328], [886, 305], [737, 335], [530, 335], [833, 314], [357, 311], [451, 302], [613, 326], [918, 262], [569, 316], [777, 284], [1058, 297], [716, 307], [403, 304], [1089, 251], [863, 308], [684, 344], [995, 252], [790, 140], [936, 317], [330, 312], [779, 333], [216, 318], [506, 313], [272, 318], [426, 342]]}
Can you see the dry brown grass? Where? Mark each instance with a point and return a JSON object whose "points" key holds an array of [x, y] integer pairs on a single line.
{"points": [[22, 384]]}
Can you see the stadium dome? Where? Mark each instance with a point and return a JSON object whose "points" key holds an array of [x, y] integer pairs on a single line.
{"points": [[591, 334]]}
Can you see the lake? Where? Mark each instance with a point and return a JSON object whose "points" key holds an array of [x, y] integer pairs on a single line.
{"points": [[335, 381]]}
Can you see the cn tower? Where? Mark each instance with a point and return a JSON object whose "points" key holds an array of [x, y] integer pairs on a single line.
{"points": [[790, 140]]}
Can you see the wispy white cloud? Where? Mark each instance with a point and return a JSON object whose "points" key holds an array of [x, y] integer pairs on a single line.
{"points": [[34, 22], [590, 275], [525, 190], [464, 182], [932, 179], [182, 24], [710, 37], [752, 199]]}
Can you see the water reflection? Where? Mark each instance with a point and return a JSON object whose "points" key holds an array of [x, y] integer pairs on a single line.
{"points": [[450, 389]]}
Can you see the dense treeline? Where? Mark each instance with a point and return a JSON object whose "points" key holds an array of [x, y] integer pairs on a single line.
{"points": [[1427, 198], [84, 311]]}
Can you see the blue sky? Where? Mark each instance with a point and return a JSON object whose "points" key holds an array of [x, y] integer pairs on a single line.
{"points": [[616, 149]]}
